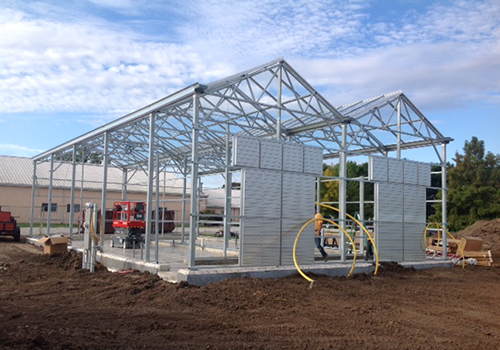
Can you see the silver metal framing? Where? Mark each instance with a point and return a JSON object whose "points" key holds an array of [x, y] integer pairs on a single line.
{"points": [[105, 162], [272, 100], [33, 192], [72, 200], [443, 199]]}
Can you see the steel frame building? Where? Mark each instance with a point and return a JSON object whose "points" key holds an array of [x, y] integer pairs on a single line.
{"points": [[190, 133]]}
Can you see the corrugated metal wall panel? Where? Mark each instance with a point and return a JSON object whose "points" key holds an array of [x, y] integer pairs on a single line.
{"points": [[414, 203], [377, 169], [293, 157], [252, 193], [313, 160], [401, 209], [270, 155], [276, 203], [246, 152], [305, 246], [270, 193], [413, 247], [390, 241], [307, 197], [260, 242], [291, 185], [395, 170], [424, 174], [410, 172], [390, 202]]}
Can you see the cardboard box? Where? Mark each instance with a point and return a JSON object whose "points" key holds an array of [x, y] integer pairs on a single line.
{"points": [[54, 244], [471, 243]]}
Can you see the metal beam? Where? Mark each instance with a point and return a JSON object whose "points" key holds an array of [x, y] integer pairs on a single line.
{"points": [[137, 115], [49, 204], [343, 191], [149, 204], [444, 208], [72, 196], [33, 191], [105, 161], [194, 183]]}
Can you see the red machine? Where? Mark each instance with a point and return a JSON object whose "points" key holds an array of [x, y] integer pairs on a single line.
{"points": [[128, 219], [8, 226]]}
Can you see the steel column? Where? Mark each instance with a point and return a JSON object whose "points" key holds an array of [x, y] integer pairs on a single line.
{"points": [[81, 190], [194, 182], [362, 213], [164, 204], [33, 191], [184, 195], [157, 204], [444, 199], [72, 200], [124, 184], [149, 205], [228, 190], [318, 193], [278, 120], [105, 161], [398, 146], [343, 190], [49, 205]]}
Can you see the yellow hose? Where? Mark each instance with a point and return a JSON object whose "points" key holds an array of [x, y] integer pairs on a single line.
{"points": [[364, 229], [425, 230], [441, 227], [297, 240], [422, 238], [458, 245]]}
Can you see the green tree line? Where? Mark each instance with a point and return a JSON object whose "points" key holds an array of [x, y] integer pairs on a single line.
{"points": [[473, 187]]}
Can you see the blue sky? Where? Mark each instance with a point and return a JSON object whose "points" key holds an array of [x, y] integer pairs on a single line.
{"points": [[67, 67]]}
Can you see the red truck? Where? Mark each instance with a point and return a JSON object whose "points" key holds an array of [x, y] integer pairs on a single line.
{"points": [[8, 226]]}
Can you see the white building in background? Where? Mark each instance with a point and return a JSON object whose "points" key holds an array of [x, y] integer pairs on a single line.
{"points": [[16, 184]]}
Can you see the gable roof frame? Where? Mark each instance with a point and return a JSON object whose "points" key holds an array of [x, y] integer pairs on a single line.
{"points": [[248, 103]]}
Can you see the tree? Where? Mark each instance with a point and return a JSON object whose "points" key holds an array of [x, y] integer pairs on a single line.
{"points": [[330, 190], [473, 187]]}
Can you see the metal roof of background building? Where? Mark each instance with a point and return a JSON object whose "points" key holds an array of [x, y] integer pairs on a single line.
{"points": [[18, 171], [217, 197]]}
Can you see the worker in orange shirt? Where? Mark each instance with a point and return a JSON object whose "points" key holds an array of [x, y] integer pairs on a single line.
{"points": [[318, 225]]}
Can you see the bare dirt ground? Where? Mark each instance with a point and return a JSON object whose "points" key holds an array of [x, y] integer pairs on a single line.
{"points": [[48, 302]]}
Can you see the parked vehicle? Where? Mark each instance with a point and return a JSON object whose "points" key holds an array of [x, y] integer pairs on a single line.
{"points": [[8, 225]]}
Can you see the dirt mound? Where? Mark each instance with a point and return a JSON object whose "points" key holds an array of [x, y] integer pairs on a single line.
{"points": [[67, 261], [392, 268], [489, 231]]}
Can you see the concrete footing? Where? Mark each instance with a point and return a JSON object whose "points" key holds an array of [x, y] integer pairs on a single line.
{"points": [[209, 274], [205, 276]]}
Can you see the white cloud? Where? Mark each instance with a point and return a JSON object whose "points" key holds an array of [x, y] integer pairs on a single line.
{"points": [[435, 63], [18, 151], [76, 62], [54, 66], [244, 31], [115, 4]]}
